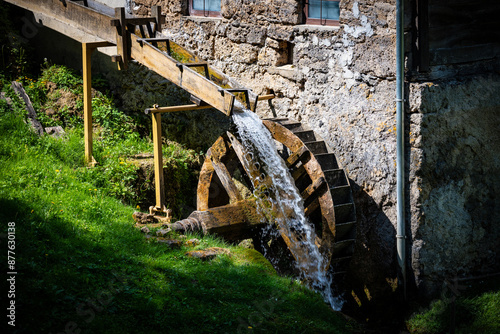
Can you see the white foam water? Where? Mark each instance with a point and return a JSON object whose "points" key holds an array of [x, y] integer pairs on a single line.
{"points": [[283, 201]]}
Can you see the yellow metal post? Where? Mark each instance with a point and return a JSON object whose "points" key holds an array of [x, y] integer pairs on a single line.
{"points": [[87, 49]]}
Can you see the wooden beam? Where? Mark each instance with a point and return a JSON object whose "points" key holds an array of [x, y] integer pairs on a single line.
{"points": [[160, 19], [225, 178], [35, 124], [266, 97], [158, 164], [134, 20], [188, 79], [87, 103], [122, 40], [73, 14], [188, 107], [87, 49]]}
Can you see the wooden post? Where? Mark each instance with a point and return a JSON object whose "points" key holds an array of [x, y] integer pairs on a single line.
{"points": [[122, 38], [160, 19], [87, 49], [87, 102], [158, 164]]}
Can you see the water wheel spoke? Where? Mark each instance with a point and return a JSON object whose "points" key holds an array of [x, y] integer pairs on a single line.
{"points": [[311, 207], [299, 155], [296, 174], [250, 168], [312, 189], [225, 178]]}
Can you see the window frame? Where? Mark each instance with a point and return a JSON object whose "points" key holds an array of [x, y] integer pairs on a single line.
{"points": [[206, 13], [320, 21]]}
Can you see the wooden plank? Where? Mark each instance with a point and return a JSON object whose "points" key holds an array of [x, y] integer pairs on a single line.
{"points": [[266, 97], [465, 54], [74, 14], [160, 19], [186, 78], [87, 49], [133, 20], [188, 107], [208, 91], [156, 60], [122, 38], [250, 168], [299, 155], [152, 40], [312, 188]]}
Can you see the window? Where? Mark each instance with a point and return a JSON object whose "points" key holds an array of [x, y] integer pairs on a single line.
{"points": [[204, 7], [324, 12]]}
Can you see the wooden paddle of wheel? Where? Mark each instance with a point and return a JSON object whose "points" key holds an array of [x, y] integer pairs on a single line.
{"points": [[224, 209]]}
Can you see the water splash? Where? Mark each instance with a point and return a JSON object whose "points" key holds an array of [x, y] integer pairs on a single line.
{"points": [[282, 201]]}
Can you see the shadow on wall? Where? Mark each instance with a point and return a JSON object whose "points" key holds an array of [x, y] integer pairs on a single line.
{"points": [[456, 154], [371, 283]]}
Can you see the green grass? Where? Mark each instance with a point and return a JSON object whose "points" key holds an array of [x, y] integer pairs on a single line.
{"points": [[83, 266], [476, 310]]}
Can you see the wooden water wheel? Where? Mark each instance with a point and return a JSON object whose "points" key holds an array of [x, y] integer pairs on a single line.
{"points": [[323, 185]]}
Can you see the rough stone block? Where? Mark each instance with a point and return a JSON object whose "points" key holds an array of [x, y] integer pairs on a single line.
{"points": [[241, 53], [208, 254]]}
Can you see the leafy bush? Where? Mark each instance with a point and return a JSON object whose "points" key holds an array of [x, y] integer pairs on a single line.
{"points": [[62, 76], [114, 178]]}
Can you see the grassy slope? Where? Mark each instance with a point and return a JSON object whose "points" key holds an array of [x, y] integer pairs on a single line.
{"points": [[82, 265]]}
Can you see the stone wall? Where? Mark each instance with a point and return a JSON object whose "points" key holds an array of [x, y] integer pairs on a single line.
{"points": [[340, 81], [455, 156]]}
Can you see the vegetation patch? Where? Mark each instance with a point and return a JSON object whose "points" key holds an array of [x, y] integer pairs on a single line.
{"points": [[472, 308]]}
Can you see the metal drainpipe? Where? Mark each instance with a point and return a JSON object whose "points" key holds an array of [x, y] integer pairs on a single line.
{"points": [[400, 127]]}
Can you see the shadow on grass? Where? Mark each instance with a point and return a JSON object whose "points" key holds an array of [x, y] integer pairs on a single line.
{"points": [[71, 280]]}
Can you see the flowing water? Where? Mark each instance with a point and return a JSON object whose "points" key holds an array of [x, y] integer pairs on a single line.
{"points": [[281, 200]]}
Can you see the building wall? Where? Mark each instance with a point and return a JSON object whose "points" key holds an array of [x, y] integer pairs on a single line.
{"points": [[341, 82]]}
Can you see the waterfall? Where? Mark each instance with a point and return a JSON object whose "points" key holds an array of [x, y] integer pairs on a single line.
{"points": [[278, 198]]}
